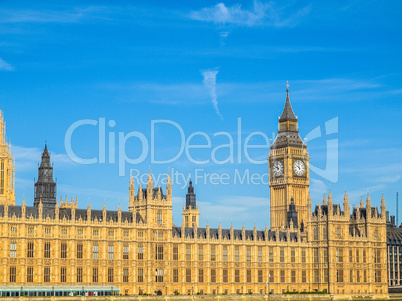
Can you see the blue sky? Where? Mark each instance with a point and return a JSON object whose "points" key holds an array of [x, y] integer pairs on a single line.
{"points": [[204, 65]]}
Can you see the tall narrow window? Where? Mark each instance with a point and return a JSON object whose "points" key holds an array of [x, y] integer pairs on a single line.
{"points": [[63, 274], [225, 254], [237, 254], [95, 251], [213, 275], [140, 252], [110, 275], [304, 278], [30, 249], [46, 250], [125, 275], [259, 254], [292, 255], [237, 275], [364, 256], [126, 251], [339, 255], [200, 275], [293, 276], [283, 276], [29, 274], [260, 278], [248, 254], [13, 274], [63, 250], [315, 233], [140, 275], [325, 255], [95, 275], [282, 255], [13, 249], [201, 253], [175, 252], [357, 256], [249, 276], [324, 233], [271, 276], [159, 218], [159, 252], [110, 252], [46, 274], [315, 255], [79, 250], [188, 253], [2, 178], [350, 256], [175, 275], [213, 255], [225, 275], [188, 275], [316, 276], [159, 275], [79, 274], [271, 255], [303, 256]]}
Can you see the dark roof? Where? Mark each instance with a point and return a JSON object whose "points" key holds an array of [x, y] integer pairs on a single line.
{"points": [[287, 114], [66, 213], [249, 234], [154, 193], [284, 139], [394, 234], [363, 213], [324, 209]]}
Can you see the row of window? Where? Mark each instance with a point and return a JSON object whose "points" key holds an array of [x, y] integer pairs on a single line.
{"points": [[63, 250], [354, 276], [63, 274], [80, 232], [189, 254]]}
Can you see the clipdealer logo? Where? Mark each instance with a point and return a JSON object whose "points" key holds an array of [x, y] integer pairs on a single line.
{"points": [[236, 149]]}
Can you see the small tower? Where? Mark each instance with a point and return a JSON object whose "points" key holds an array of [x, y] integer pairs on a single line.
{"points": [[132, 194], [7, 169], [292, 215], [45, 187], [191, 211]]}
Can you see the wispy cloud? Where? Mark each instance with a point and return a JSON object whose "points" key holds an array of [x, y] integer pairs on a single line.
{"points": [[5, 66], [27, 158], [45, 16], [210, 83], [260, 14], [327, 89]]}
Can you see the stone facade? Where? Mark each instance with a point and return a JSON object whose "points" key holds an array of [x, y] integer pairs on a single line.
{"points": [[141, 250]]}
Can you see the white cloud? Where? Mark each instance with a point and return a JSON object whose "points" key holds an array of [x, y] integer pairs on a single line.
{"points": [[27, 158], [45, 16], [5, 66], [317, 190], [210, 83], [262, 13]]}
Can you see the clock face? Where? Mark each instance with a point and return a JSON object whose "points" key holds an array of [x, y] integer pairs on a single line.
{"points": [[299, 168], [277, 168], [46, 172]]}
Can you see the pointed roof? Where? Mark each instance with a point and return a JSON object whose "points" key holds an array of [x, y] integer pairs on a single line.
{"points": [[287, 114]]}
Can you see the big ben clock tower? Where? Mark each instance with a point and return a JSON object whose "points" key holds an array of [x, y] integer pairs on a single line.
{"points": [[289, 176]]}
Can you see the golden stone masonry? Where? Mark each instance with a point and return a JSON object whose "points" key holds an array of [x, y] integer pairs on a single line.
{"points": [[141, 251]]}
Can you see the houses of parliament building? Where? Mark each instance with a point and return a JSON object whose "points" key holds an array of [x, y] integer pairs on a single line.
{"points": [[58, 246]]}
